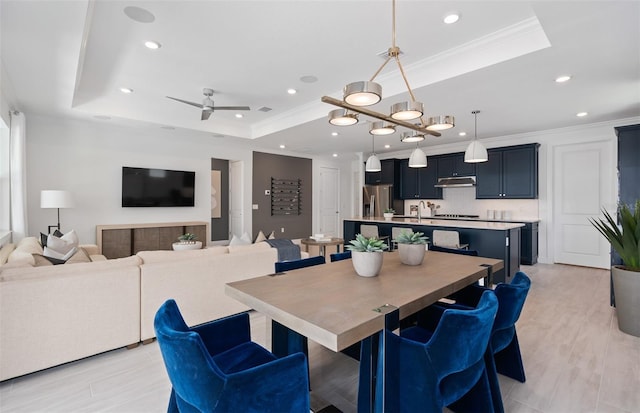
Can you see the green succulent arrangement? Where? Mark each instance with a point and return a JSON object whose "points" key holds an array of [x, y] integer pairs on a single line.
{"points": [[364, 244], [408, 237], [625, 242], [389, 211], [188, 237]]}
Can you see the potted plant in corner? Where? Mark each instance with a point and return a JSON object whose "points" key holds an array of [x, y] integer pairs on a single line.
{"points": [[187, 241], [388, 213], [411, 247], [626, 278], [366, 255]]}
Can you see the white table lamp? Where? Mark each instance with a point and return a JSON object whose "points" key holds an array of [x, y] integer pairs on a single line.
{"points": [[56, 199]]}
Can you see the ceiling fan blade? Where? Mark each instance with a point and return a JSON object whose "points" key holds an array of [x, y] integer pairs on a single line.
{"points": [[198, 105], [231, 108], [206, 114]]}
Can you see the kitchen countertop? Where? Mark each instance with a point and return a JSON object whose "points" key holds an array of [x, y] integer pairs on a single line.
{"points": [[526, 220], [453, 223]]}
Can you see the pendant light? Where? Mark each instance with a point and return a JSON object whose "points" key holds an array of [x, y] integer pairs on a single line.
{"points": [[418, 158], [342, 117], [476, 151], [382, 128], [373, 163]]}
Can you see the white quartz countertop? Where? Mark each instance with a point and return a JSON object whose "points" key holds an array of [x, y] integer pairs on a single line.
{"points": [[497, 226]]}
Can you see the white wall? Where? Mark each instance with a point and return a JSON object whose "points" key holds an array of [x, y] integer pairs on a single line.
{"points": [[86, 158]]}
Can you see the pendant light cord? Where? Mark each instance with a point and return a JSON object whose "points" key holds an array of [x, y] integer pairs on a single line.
{"points": [[475, 123]]}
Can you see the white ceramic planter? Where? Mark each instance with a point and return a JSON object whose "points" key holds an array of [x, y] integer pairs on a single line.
{"points": [[178, 246], [388, 215], [626, 287], [367, 264], [411, 254]]}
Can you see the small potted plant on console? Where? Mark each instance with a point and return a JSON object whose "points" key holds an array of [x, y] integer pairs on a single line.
{"points": [[388, 213], [367, 255], [411, 247], [187, 241]]}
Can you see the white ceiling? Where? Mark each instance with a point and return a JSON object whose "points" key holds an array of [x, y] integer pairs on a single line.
{"points": [[69, 59]]}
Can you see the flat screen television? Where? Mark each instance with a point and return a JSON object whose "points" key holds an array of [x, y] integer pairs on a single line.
{"points": [[144, 187]]}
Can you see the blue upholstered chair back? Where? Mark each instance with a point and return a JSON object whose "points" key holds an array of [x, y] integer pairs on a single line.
{"points": [[283, 266], [448, 365], [511, 298], [339, 256], [191, 369]]}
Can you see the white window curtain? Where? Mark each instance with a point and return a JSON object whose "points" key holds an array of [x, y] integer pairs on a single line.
{"points": [[18, 176]]}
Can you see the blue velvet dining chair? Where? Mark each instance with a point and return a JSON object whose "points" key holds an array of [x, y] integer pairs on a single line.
{"points": [[339, 256], [215, 367], [282, 266], [505, 357], [443, 366], [473, 253]]}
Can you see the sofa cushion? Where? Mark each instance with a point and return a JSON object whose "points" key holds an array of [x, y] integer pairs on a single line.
{"points": [[21, 256], [40, 260], [234, 249], [87, 268], [168, 256], [5, 251]]}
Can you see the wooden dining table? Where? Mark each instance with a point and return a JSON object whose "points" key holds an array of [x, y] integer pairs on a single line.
{"points": [[333, 306]]}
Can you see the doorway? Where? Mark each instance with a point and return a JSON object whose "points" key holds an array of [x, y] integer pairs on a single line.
{"points": [[329, 214], [582, 176]]}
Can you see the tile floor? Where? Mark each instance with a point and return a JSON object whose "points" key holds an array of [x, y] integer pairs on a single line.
{"points": [[575, 359]]}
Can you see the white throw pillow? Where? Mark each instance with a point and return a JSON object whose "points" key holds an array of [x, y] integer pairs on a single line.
{"points": [[272, 235], [48, 252], [261, 237], [246, 238], [236, 240], [60, 246]]}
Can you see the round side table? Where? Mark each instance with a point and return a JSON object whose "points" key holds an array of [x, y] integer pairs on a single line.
{"points": [[323, 244]]}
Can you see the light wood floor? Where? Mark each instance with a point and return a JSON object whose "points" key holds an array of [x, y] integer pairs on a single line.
{"points": [[575, 359]]}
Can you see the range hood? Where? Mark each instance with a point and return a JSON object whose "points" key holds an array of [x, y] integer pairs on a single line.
{"points": [[456, 182]]}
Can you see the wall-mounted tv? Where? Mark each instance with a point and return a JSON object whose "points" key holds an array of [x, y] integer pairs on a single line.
{"points": [[143, 187]]}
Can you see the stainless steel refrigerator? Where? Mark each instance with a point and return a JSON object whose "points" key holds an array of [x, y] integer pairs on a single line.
{"points": [[377, 198]]}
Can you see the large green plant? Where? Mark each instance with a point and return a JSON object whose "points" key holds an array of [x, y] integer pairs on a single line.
{"points": [[625, 241], [408, 237], [364, 244]]}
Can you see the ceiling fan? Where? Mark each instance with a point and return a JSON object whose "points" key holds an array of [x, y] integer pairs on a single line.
{"points": [[207, 105]]}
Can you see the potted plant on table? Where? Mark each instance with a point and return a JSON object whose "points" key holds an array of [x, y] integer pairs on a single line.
{"points": [[625, 240], [411, 247], [388, 213], [367, 255]]}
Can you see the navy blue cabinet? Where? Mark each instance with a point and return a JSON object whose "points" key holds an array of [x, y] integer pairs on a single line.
{"points": [[510, 173], [387, 175], [454, 165], [419, 183]]}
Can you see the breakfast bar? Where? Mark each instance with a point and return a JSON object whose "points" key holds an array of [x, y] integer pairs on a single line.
{"points": [[500, 240]]}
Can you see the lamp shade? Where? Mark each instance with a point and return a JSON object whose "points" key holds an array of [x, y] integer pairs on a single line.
{"points": [[56, 199], [364, 93], [382, 128], [407, 110], [476, 152], [441, 122], [373, 164], [342, 117], [418, 159]]}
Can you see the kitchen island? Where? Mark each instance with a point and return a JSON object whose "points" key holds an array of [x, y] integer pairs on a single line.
{"points": [[500, 240]]}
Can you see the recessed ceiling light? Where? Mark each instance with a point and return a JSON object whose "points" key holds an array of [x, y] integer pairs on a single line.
{"points": [[451, 18], [309, 79], [335, 155], [282, 146], [581, 114], [334, 134], [462, 134], [239, 115], [126, 90], [150, 44], [563, 78], [292, 91], [387, 146], [139, 14]]}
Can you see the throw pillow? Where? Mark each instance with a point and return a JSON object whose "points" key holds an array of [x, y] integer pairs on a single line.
{"points": [[80, 256], [42, 260], [236, 240], [59, 246], [272, 235], [246, 238], [50, 253], [260, 237]]}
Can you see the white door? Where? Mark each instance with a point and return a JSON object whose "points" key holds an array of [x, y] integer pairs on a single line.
{"points": [[329, 201], [236, 185], [583, 184]]}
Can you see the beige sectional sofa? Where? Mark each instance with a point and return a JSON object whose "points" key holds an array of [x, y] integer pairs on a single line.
{"points": [[56, 314]]}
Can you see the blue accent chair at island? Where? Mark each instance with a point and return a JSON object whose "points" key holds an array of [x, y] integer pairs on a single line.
{"points": [[215, 367], [339, 256], [505, 357], [282, 266], [443, 366]]}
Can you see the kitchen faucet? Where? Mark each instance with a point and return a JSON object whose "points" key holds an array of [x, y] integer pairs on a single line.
{"points": [[420, 206]]}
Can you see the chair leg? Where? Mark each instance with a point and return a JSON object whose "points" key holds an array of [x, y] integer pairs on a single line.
{"points": [[173, 404], [509, 361], [494, 383]]}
